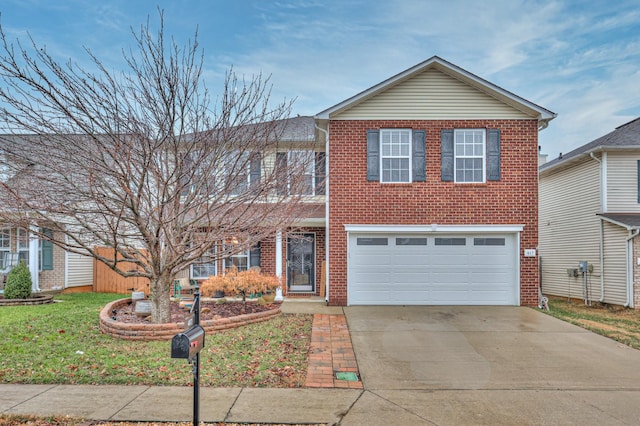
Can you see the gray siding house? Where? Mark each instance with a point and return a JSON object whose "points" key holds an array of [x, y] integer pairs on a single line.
{"points": [[589, 210]]}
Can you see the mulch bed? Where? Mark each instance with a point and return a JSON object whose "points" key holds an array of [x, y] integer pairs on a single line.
{"points": [[209, 310]]}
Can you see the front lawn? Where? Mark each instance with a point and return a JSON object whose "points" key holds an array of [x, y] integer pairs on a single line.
{"points": [[618, 323], [62, 343]]}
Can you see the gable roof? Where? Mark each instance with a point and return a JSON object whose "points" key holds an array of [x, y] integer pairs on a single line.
{"points": [[542, 114], [626, 136]]}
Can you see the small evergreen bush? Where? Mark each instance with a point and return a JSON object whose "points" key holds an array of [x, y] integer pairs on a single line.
{"points": [[18, 282]]}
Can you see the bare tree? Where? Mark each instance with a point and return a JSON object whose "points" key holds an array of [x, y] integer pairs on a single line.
{"points": [[142, 161]]}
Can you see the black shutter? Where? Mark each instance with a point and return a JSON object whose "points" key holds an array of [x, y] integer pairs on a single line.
{"points": [[47, 251], [373, 155], [254, 256], [321, 173], [446, 155], [255, 170], [493, 154], [281, 173], [419, 155]]}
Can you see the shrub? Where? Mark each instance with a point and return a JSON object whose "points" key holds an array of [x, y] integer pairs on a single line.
{"points": [[240, 283], [18, 282]]}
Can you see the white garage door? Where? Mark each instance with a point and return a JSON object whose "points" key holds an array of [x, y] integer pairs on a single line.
{"points": [[394, 269]]}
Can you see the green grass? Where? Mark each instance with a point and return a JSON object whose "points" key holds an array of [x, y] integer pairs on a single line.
{"points": [[62, 343], [615, 322]]}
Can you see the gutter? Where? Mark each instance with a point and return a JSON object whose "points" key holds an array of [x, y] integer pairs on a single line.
{"points": [[632, 235], [326, 209]]}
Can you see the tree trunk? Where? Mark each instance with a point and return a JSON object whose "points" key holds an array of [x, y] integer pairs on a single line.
{"points": [[160, 304]]}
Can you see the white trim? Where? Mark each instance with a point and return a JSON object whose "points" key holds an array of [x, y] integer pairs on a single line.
{"points": [[66, 263], [34, 262], [279, 255], [311, 222], [434, 228]]}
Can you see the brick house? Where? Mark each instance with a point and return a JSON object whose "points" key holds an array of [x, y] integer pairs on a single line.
{"points": [[432, 191]]}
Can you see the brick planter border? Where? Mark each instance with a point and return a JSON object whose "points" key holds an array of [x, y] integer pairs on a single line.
{"points": [[33, 300], [166, 331]]}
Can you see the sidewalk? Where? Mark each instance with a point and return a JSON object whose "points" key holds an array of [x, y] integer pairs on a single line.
{"points": [[157, 403], [322, 401]]}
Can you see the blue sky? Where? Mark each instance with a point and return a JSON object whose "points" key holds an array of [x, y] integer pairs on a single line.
{"points": [[580, 59]]}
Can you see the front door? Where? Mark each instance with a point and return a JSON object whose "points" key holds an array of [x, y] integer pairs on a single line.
{"points": [[301, 262]]}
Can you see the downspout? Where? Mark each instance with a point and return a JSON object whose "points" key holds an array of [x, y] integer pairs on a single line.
{"points": [[632, 235], [601, 261], [602, 203], [326, 210]]}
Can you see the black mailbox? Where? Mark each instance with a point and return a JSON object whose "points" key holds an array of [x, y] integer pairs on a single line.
{"points": [[188, 344]]}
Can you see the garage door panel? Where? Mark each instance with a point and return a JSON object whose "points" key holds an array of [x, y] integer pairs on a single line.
{"points": [[414, 270]]}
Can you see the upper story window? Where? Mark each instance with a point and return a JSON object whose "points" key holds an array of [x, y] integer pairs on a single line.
{"points": [[301, 172], [395, 155], [469, 155]]}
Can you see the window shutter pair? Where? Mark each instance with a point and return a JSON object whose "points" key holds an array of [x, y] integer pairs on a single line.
{"points": [[47, 250], [447, 155], [418, 155]]}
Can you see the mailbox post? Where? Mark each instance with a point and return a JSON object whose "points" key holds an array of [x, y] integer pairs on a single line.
{"points": [[188, 345]]}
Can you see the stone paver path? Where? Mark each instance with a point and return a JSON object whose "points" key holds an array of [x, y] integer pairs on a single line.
{"points": [[331, 352]]}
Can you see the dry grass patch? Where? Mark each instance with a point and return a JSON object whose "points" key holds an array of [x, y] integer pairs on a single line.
{"points": [[616, 322]]}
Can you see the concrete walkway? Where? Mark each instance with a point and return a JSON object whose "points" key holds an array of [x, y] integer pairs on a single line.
{"points": [[419, 366]]}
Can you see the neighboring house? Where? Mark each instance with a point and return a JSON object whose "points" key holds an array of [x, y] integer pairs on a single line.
{"points": [[590, 211], [51, 267], [432, 191]]}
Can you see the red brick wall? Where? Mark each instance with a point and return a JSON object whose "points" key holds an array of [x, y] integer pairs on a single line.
{"points": [[512, 200], [54, 278]]}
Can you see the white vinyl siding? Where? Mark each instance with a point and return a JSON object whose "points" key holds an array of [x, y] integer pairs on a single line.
{"points": [[622, 182], [79, 270], [431, 95], [615, 264], [569, 230]]}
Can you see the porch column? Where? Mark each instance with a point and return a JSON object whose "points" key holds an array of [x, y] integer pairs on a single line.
{"points": [[279, 297], [34, 261]]}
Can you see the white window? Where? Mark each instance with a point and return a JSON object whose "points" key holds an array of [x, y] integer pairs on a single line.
{"points": [[204, 268], [299, 173], [23, 245], [5, 247], [240, 261], [469, 146], [395, 155], [238, 172]]}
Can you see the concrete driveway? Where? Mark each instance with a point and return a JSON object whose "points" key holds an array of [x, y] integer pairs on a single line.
{"points": [[488, 365]]}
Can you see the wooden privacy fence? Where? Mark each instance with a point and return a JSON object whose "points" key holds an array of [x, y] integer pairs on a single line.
{"points": [[106, 280]]}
